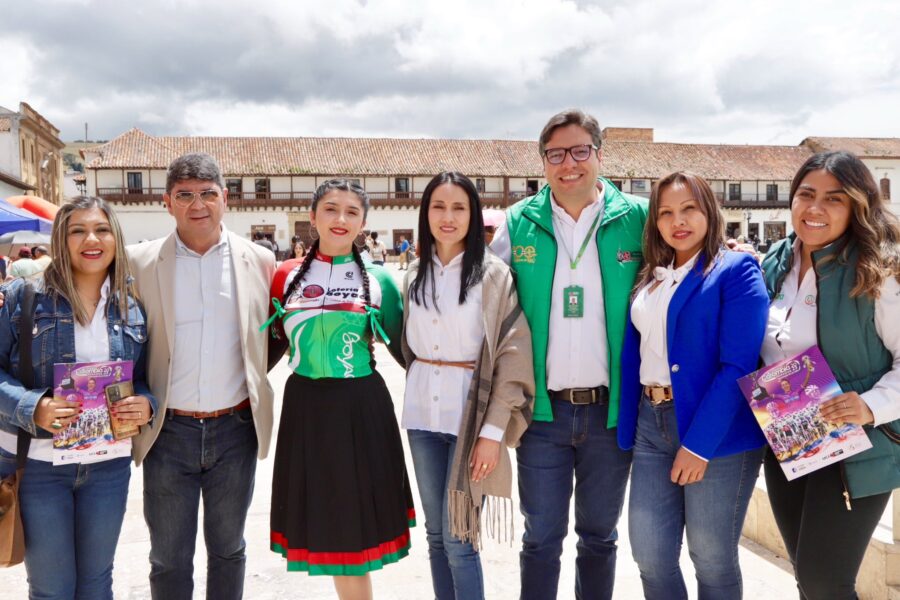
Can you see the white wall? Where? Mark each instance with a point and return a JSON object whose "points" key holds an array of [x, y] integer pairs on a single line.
{"points": [[519, 184], [279, 184], [890, 168], [376, 184], [386, 220], [10, 155], [7, 191]]}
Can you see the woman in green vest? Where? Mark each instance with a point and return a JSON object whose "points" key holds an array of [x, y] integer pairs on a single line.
{"points": [[835, 282]]}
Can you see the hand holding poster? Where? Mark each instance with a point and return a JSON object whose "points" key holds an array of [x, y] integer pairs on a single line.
{"points": [[90, 438], [785, 399]]}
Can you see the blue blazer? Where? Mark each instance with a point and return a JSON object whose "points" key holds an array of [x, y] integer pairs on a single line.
{"points": [[716, 325]]}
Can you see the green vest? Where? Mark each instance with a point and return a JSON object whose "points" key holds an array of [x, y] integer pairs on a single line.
{"points": [[533, 260], [850, 343]]}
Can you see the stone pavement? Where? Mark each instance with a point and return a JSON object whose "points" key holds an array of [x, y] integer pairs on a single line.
{"points": [[766, 577]]}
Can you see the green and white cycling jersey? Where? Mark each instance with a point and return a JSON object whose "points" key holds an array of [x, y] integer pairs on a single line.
{"points": [[328, 325]]}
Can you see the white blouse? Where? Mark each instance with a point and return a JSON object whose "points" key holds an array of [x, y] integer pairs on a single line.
{"points": [[791, 329], [444, 330], [649, 313]]}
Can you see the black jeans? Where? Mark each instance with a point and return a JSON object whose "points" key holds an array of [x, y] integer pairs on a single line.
{"points": [[824, 540]]}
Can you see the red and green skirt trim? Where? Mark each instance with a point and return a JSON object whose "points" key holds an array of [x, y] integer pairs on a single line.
{"points": [[343, 563]]}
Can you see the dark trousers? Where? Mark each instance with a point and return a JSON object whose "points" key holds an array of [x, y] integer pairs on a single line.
{"points": [[193, 459], [577, 446], [824, 540]]}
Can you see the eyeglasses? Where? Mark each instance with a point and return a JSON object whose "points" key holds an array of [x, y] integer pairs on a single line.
{"points": [[580, 153], [187, 198]]}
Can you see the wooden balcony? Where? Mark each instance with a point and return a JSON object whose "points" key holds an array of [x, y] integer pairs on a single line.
{"points": [[753, 201], [285, 200]]}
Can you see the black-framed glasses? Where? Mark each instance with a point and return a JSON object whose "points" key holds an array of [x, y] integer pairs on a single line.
{"points": [[579, 153], [187, 198]]}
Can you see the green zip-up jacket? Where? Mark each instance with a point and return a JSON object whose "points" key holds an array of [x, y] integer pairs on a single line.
{"points": [[533, 260], [849, 342]]}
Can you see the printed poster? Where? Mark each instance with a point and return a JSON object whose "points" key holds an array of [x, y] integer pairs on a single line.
{"points": [[785, 399], [90, 438]]}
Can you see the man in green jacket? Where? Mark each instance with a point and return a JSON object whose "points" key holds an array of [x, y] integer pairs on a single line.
{"points": [[576, 249]]}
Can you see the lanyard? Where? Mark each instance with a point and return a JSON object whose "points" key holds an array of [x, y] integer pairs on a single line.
{"points": [[573, 262]]}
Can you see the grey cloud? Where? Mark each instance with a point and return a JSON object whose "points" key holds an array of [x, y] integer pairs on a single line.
{"points": [[145, 64]]}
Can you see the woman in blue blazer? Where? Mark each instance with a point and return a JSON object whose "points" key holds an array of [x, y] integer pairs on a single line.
{"points": [[698, 318]]}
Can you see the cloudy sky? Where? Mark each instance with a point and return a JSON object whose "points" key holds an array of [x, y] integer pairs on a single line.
{"points": [[757, 72]]}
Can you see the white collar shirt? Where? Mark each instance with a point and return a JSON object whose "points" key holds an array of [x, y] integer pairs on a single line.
{"points": [[649, 313], [577, 350], [792, 327], [207, 369], [443, 330]]}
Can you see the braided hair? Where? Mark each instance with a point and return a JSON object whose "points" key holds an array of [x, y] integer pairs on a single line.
{"points": [[323, 190]]}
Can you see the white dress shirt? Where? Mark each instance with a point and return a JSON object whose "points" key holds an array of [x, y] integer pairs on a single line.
{"points": [[649, 313], [207, 361], [577, 349], [444, 330], [792, 327]]}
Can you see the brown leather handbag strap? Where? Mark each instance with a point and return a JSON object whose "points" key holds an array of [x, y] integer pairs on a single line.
{"points": [[26, 367]]}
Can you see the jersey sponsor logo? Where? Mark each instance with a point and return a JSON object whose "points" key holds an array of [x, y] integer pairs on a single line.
{"points": [[346, 358], [526, 254], [348, 275], [345, 293], [313, 291]]}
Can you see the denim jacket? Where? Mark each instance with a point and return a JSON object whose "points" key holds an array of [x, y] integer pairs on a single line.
{"points": [[54, 342]]}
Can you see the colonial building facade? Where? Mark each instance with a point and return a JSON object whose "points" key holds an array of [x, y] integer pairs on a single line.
{"points": [[30, 154], [271, 180]]}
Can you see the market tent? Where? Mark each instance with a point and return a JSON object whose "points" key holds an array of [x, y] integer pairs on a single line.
{"points": [[36, 205], [16, 219]]}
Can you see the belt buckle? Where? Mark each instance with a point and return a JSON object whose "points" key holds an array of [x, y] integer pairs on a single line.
{"points": [[657, 401], [590, 392]]}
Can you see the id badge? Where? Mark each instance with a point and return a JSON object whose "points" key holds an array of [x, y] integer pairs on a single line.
{"points": [[573, 301]]}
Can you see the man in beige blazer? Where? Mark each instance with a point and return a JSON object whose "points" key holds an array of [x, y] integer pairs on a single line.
{"points": [[206, 292]]}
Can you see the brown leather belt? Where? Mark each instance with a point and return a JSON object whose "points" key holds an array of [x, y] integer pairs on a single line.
{"points": [[597, 395], [463, 364], [658, 394], [210, 415]]}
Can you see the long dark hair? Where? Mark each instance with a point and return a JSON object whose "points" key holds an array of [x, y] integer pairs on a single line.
{"points": [[322, 191], [874, 228], [657, 253], [473, 255]]}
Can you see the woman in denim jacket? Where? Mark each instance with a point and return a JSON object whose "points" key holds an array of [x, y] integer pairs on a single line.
{"points": [[85, 310]]}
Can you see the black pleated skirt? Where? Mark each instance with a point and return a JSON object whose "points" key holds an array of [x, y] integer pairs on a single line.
{"points": [[341, 499]]}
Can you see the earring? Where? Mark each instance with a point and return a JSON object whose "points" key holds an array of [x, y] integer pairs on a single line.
{"points": [[313, 233]]}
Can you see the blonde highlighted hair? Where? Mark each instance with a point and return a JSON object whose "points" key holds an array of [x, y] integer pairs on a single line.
{"points": [[58, 276]]}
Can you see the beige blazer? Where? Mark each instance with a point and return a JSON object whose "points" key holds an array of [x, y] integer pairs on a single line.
{"points": [[153, 266]]}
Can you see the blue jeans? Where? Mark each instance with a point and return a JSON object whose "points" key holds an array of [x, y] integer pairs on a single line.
{"points": [[575, 442], [215, 458], [712, 510], [72, 516], [455, 566]]}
